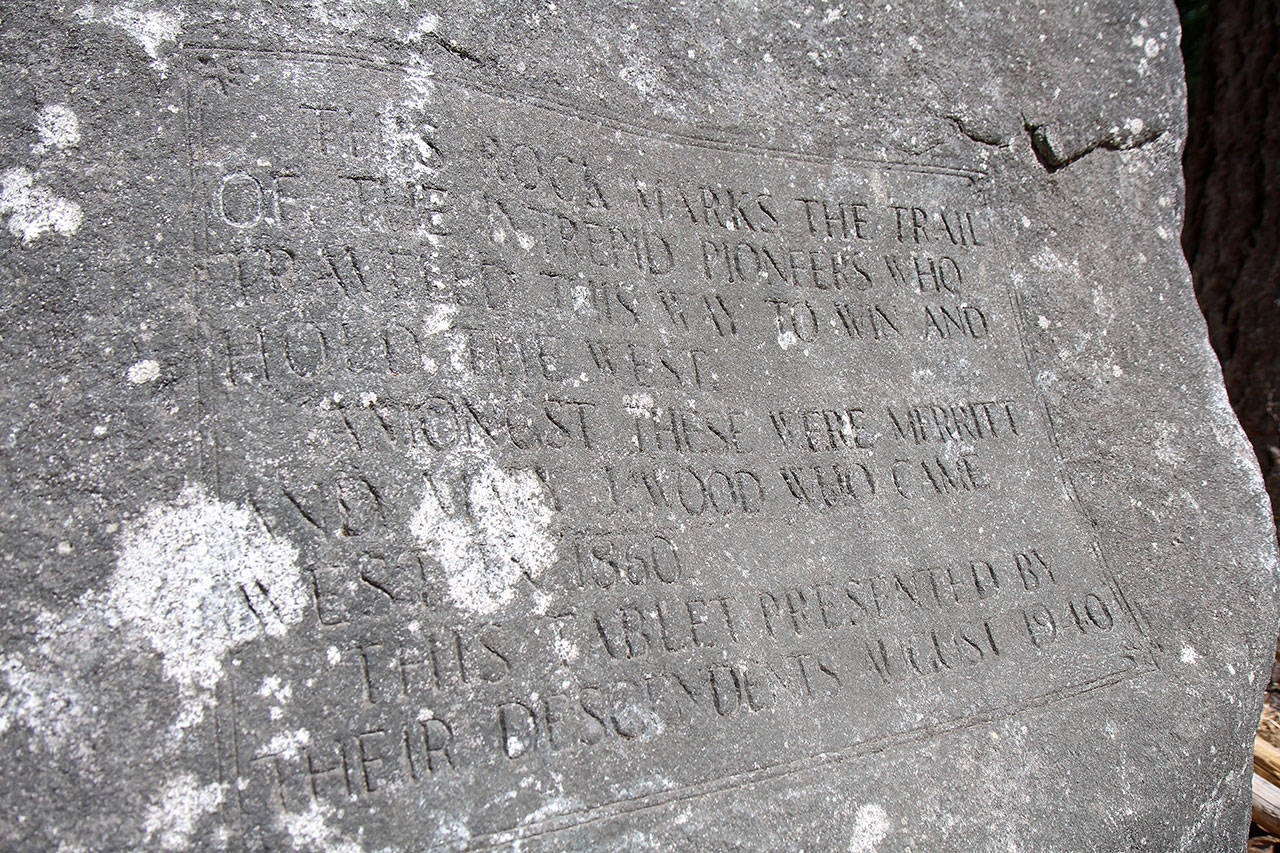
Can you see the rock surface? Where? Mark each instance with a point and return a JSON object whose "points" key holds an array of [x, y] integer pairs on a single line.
{"points": [[611, 427]]}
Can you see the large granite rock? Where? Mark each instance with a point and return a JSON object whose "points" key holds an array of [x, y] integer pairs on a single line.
{"points": [[612, 427]]}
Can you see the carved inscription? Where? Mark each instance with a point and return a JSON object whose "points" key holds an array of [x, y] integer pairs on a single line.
{"points": [[600, 443]]}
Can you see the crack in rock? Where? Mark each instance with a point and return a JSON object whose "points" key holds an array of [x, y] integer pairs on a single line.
{"points": [[1054, 150], [983, 135]]}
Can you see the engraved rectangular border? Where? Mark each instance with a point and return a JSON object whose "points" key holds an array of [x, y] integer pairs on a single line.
{"points": [[1146, 659]]}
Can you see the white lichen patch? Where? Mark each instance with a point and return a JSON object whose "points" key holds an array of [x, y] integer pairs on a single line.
{"points": [[640, 401], [141, 372], [870, 826], [194, 578], [48, 687], [456, 346], [288, 745], [310, 831], [34, 210], [411, 152], [346, 15], [43, 698], [552, 806], [198, 577], [439, 318], [273, 687], [427, 25], [643, 79], [58, 128], [502, 533], [451, 830], [181, 804], [1167, 443], [150, 28]]}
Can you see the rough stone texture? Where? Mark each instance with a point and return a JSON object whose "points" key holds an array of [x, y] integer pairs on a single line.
{"points": [[1233, 219], [338, 511]]}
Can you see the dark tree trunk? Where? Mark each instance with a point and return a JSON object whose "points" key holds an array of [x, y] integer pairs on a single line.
{"points": [[1232, 233]]}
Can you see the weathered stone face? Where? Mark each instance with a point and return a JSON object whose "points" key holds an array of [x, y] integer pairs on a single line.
{"points": [[613, 428]]}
